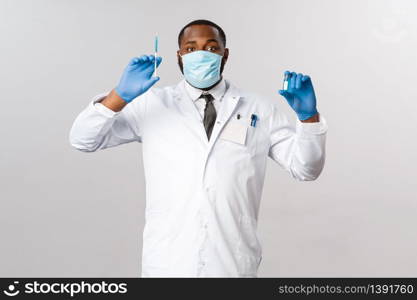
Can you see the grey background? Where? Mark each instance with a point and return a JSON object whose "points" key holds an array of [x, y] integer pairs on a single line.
{"points": [[67, 213]]}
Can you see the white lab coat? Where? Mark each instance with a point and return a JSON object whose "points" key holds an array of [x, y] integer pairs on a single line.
{"points": [[202, 197]]}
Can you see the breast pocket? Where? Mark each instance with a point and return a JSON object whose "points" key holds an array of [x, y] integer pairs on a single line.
{"points": [[239, 134]]}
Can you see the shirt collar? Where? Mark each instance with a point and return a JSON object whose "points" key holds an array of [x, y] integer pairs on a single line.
{"points": [[217, 91]]}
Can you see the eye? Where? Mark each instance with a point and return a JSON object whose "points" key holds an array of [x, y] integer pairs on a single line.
{"points": [[189, 49], [212, 48]]}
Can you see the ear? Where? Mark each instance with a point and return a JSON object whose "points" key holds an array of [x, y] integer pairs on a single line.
{"points": [[179, 61], [179, 58], [226, 54]]}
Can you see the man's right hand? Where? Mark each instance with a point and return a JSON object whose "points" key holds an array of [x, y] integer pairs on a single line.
{"points": [[137, 77]]}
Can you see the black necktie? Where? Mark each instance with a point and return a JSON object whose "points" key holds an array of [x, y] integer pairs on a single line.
{"points": [[209, 114]]}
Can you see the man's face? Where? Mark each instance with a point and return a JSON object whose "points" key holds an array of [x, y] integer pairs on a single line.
{"points": [[202, 37]]}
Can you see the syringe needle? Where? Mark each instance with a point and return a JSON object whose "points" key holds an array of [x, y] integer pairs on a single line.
{"points": [[156, 52]]}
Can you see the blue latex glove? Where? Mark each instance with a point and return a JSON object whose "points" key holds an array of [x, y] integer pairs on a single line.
{"points": [[137, 77], [300, 95]]}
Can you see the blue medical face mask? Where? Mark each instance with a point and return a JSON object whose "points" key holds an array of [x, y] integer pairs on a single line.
{"points": [[201, 68]]}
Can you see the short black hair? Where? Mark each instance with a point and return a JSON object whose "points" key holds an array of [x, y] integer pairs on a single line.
{"points": [[203, 22]]}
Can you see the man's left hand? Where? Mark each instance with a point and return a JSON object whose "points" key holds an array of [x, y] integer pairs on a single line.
{"points": [[300, 95]]}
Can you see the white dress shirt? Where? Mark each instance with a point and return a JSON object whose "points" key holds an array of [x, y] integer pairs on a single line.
{"points": [[217, 92]]}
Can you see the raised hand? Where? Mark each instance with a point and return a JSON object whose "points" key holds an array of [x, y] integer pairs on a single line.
{"points": [[137, 77], [300, 95]]}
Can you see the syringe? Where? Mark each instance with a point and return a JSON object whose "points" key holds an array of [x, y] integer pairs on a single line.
{"points": [[156, 52]]}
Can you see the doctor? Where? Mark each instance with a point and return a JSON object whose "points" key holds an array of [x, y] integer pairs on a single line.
{"points": [[205, 148]]}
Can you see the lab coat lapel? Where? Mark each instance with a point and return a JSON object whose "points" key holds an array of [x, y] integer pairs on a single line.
{"points": [[192, 118], [188, 112], [230, 101]]}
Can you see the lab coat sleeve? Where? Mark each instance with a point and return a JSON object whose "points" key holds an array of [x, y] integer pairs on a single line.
{"points": [[98, 127], [299, 150]]}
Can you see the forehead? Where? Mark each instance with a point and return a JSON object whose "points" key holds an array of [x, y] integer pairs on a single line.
{"points": [[205, 32]]}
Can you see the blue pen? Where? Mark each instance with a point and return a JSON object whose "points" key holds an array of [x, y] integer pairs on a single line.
{"points": [[253, 118]]}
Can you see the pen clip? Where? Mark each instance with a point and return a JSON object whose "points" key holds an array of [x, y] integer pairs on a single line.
{"points": [[253, 119]]}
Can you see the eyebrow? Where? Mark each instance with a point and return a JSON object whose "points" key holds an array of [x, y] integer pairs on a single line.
{"points": [[212, 40], [208, 41]]}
